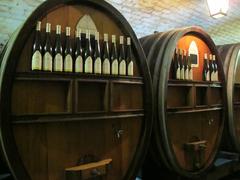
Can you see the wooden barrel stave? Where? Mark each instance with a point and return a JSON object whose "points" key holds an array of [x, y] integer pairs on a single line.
{"points": [[225, 56]]}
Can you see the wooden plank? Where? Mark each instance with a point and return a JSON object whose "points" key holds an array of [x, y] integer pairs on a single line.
{"points": [[90, 165]]}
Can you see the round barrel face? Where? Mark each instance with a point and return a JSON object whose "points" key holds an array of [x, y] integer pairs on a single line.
{"points": [[194, 112], [71, 125]]}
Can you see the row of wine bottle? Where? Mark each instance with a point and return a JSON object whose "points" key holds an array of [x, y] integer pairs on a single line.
{"points": [[182, 66], [82, 59], [210, 68]]}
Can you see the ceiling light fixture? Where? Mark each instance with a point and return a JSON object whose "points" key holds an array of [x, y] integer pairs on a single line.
{"points": [[218, 8]]}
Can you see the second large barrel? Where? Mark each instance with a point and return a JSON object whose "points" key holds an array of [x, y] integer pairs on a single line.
{"points": [[231, 56], [189, 114]]}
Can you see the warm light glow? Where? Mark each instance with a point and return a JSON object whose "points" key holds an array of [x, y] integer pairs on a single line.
{"points": [[218, 8]]}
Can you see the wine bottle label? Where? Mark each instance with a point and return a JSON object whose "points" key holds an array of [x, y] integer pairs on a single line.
{"points": [[182, 73], [58, 63], [130, 69], [38, 27], [97, 66], [47, 62], [68, 31], [88, 67], [212, 76], [216, 76], [78, 33], [37, 61], [115, 67], [186, 74], [58, 29], [121, 40], [79, 64], [106, 66], [178, 73], [208, 76], [122, 68], [68, 63], [190, 75]]}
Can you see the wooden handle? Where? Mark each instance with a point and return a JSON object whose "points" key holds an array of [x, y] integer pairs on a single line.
{"points": [[87, 171]]}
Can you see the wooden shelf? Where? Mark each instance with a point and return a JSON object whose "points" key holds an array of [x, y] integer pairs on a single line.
{"points": [[236, 103], [215, 85], [201, 85], [83, 93], [197, 94], [182, 97], [31, 119], [237, 85], [42, 97], [215, 96], [91, 96], [201, 96], [180, 84], [181, 111], [173, 82], [123, 97], [69, 76], [179, 108], [236, 93], [216, 105], [126, 110], [201, 106]]}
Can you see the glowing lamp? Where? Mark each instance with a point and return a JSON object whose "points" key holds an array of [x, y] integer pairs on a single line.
{"points": [[218, 8]]}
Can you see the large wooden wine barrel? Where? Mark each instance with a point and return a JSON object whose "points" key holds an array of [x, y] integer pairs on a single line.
{"points": [[60, 126], [230, 57], [189, 114]]}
